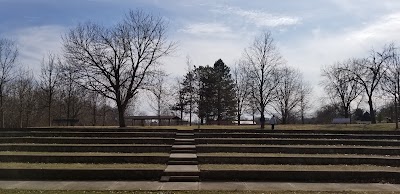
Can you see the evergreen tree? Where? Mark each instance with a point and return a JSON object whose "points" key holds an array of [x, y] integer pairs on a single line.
{"points": [[212, 89], [206, 93], [186, 96], [224, 103]]}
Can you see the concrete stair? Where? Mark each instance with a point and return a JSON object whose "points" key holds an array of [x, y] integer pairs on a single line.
{"points": [[182, 163]]}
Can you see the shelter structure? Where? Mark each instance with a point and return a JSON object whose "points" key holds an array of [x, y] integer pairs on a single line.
{"points": [[152, 120]]}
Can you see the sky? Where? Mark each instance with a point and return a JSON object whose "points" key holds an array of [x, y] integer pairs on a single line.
{"points": [[310, 34]]}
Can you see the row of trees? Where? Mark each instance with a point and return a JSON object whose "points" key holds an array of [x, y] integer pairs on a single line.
{"points": [[260, 82], [377, 74], [27, 100], [114, 63], [117, 62]]}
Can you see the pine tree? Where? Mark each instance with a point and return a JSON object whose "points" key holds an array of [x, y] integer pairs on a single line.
{"points": [[224, 104], [206, 93], [216, 93]]}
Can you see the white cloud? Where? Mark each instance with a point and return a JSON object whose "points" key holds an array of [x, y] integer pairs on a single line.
{"points": [[35, 42], [385, 29], [260, 18], [208, 29], [323, 48]]}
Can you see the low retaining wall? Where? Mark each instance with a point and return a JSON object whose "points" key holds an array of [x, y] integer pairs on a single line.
{"points": [[298, 150], [297, 160], [87, 134], [298, 136], [84, 159], [301, 176], [88, 148], [89, 129], [296, 141], [80, 174], [383, 132], [77, 140]]}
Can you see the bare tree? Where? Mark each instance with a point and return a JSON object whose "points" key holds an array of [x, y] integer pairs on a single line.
{"points": [[8, 57], [242, 88], [72, 94], [23, 87], [391, 80], [341, 85], [288, 94], [159, 91], [179, 98], [49, 81], [262, 59], [305, 103], [369, 72], [116, 61]]}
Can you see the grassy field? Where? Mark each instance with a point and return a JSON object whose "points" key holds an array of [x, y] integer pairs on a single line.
{"points": [[379, 126], [236, 154], [189, 192], [81, 165], [82, 153], [296, 167]]}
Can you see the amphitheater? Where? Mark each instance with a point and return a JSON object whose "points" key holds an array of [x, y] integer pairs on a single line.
{"points": [[199, 155]]}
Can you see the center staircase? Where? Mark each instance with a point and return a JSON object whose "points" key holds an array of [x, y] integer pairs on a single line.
{"points": [[182, 164]]}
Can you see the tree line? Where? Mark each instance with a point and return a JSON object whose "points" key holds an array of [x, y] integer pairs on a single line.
{"points": [[372, 77], [103, 69], [259, 83]]}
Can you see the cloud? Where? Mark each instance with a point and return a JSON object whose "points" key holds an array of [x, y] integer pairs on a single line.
{"points": [[260, 18], [207, 29], [36, 42], [385, 29], [324, 48]]}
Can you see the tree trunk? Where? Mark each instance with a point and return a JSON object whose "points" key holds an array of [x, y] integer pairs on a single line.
{"points": [[20, 119], [190, 113], [49, 114], [254, 116], [262, 119], [2, 110], [180, 122], [121, 116], [346, 112], [121, 112], [371, 109], [104, 115], [238, 112], [94, 114], [396, 112]]}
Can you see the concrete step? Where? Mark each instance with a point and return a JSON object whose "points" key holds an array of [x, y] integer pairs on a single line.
{"points": [[184, 178], [182, 157], [184, 143], [183, 147], [182, 151], [182, 170], [184, 139], [185, 135], [179, 179], [183, 162]]}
